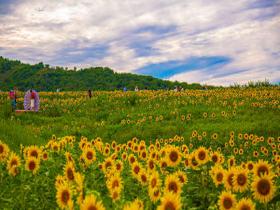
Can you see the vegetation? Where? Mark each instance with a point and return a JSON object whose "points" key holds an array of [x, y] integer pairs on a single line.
{"points": [[195, 149], [42, 77]]}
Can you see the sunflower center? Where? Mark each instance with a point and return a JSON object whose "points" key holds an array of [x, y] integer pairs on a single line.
{"points": [[108, 164], [65, 196], [241, 179], [153, 182], [92, 207], [115, 195], [14, 162], [169, 206], [181, 178], [163, 164], [194, 163], [132, 160], [173, 156], [143, 178], [136, 169], [250, 166], [1, 149], [262, 170], [214, 158], [31, 165], [70, 174], [89, 155], [34, 153], [263, 187], [118, 166], [220, 177], [156, 193], [201, 155], [227, 203], [144, 155], [151, 164], [115, 184], [173, 187]]}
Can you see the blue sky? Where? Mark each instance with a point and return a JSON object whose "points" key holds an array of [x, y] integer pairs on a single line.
{"points": [[217, 42]]}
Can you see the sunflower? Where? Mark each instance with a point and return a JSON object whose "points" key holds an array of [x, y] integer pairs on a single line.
{"points": [[89, 155], [119, 166], [131, 158], [69, 171], [215, 157], [240, 180], [201, 155], [4, 151], [45, 155], [142, 177], [231, 161], [114, 182], [218, 174], [136, 168], [228, 179], [34, 151], [115, 194], [154, 194], [245, 204], [173, 184], [182, 176], [226, 201], [173, 156], [32, 164], [151, 164], [263, 188], [262, 167], [170, 201], [250, 165], [91, 203], [192, 161], [13, 161], [154, 180], [63, 196], [143, 155]]}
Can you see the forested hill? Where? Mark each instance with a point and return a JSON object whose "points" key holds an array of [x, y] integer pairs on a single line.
{"points": [[42, 77]]}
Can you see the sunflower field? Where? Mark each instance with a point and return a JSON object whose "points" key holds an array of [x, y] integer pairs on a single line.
{"points": [[214, 149]]}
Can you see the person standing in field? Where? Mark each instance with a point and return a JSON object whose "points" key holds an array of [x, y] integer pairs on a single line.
{"points": [[89, 93], [32, 100], [13, 98]]}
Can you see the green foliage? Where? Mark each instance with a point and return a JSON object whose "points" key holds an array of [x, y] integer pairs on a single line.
{"points": [[42, 77]]}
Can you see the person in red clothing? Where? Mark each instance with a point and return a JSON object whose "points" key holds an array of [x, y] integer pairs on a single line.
{"points": [[32, 100]]}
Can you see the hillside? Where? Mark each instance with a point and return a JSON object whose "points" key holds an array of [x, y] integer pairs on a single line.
{"points": [[45, 78]]}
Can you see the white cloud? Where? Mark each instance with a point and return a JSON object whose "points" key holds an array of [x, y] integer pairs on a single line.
{"points": [[38, 30]]}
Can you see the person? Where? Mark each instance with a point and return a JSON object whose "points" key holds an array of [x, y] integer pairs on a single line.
{"points": [[136, 89], [32, 100], [89, 93], [124, 89], [13, 98]]}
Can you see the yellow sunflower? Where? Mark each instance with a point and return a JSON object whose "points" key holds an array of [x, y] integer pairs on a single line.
{"points": [[173, 156], [218, 175], [4, 151], [63, 197], [263, 188], [135, 205], [172, 184], [32, 164], [114, 182], [240, 180], [170, 201], [228, 179], [182, 177], [89, 155], [201, 155], [13, 161], [91, 203], [154, 194], [34, 151], [262, 167], [245, 204], [69, 171], [227, 201]]}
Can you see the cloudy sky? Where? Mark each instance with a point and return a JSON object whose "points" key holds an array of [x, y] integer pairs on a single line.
{"points": [[217, 42]]}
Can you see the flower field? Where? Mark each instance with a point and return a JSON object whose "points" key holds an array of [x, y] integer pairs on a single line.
{"points": [[216, 149]]}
